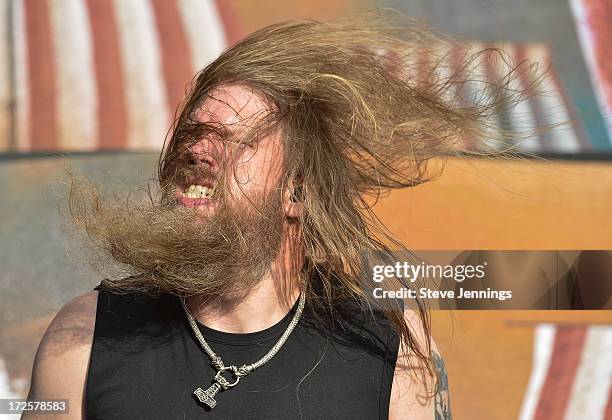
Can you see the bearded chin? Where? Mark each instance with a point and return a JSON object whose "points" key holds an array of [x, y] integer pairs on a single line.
{"points": [[177, 250]]}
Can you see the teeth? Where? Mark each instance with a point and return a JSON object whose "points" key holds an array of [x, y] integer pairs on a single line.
{"points": [[198, 191]]}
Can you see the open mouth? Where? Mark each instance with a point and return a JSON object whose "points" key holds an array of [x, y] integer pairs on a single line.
{"points": [[199, 191]]}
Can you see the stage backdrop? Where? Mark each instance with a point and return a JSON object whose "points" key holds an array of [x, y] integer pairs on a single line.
{"points": [[87, 75], [105, 77]]}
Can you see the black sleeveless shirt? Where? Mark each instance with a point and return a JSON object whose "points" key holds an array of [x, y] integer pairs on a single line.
{"points": [[146, 363]]}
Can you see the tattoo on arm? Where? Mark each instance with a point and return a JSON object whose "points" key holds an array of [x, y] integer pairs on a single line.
{"points": [[442, 399]]}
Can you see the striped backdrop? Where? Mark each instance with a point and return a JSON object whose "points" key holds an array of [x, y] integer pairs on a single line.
{"points": [[86, 75], [594, 27], [101, 74], [546, 106], [571, 374]]}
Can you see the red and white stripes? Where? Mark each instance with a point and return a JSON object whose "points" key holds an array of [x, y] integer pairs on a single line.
{"points": [[141, 57], [75, 85], [571, 373], [110, 74], [100, 74], [540, 121]]}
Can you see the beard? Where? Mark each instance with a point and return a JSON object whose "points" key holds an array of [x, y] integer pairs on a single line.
{"points": [[167, 248]]}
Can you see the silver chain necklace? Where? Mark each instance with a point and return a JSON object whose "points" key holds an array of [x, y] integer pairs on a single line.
{"points": [[219, 382]]}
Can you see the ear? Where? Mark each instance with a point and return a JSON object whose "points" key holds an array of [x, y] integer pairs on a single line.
{"points": [[293, 202]]}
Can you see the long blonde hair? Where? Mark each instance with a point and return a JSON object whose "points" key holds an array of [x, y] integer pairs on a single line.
{"points": [[363, 109]]}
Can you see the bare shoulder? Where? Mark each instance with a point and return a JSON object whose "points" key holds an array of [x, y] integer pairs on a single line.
{"points": [[62, 358], [412, 385]]}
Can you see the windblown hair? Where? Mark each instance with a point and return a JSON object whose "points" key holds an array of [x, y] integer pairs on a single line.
{"points": [[363, 105], [363, 108]]}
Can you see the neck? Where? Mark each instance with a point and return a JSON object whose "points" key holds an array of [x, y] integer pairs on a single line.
{"points": [[260, 307]]}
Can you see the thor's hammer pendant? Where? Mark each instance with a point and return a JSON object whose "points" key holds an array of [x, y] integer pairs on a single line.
{"points": [[208, 397]]}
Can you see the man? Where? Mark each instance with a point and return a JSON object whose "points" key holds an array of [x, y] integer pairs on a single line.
{"points": [[247, 287]]}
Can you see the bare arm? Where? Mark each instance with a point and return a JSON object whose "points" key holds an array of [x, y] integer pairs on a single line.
{"points": [[408, 389], [62, 359]]}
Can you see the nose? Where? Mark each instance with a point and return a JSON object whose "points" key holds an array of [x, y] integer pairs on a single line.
{"points": [[204, 153], [201, 159]]}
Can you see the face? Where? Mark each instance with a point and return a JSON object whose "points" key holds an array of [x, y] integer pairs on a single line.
{"points": [[236, 163], [230, 178]]}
